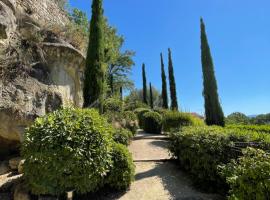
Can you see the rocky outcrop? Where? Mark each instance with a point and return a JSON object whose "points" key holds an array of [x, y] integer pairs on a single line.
{"points": [[39, 71]]}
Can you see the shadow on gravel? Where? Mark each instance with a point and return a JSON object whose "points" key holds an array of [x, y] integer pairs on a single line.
{"points": [[176, 182], [160, 143]]}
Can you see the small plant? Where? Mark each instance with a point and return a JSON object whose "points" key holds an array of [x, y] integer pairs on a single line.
{"points": [[152, 122], [122, 136], [122, 173], [67, 149]]}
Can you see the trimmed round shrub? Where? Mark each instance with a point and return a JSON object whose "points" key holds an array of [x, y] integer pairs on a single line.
{"points": [[140, 112], [122, 173], [69, 149], [113, 105], [122, 136], [152, 122], [176, 120]]}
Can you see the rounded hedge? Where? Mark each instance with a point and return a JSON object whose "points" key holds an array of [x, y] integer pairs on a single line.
{"points": [[140, 112], [69, 149], [122, 173], [152, 122], [113, 105], [122, 136]]}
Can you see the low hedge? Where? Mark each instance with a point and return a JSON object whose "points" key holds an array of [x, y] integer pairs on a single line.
{"points": [[257, 128], [249, 176], [122, 136], [152, 122], [122, 174], [176, 120], [200, 150], [67, 149], [140, 112]]}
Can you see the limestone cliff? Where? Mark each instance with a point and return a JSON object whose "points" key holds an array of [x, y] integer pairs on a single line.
{"points": [[39, 70]]}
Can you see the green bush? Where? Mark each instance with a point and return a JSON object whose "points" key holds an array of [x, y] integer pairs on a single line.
{"points": [[67, 149], [152, 122], [122, 174], [122, 136], [140, 112], [131, 121], [176, 120], [113, 105], [257, 128], [249, 176], [201, 149]]}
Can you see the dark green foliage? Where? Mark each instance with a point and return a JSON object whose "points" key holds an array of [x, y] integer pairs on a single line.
{"points": [[248, 177], [152, 122], [131, 121], [213, 111], [151, 96], [94, 71], [140, 112], [237, 118], [174, 103], [164, 92], [200, 150], [175, 120], [263, 119], [122, 136], [67, 149], [144, 85], [123, 170], [113, 104]]}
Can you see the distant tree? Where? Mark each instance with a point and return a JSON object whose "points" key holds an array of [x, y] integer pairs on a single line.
{"points": [[174, 103], [151, 96], [94, 71], [213, 111], [262, 119], [144, 85], [237, 118], [164, 92]]}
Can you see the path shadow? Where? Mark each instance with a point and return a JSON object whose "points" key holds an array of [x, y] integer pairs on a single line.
{"points": [[160, 143], [176, 182]]}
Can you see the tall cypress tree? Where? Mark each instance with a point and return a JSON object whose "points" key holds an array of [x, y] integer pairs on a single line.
{"points": [[94, 72], [151, 96], [164, 85], [144, 85], [174, 104], [213, 111]]}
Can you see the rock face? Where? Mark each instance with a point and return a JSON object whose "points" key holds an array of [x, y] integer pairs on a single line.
{"points": [[39, 70]]}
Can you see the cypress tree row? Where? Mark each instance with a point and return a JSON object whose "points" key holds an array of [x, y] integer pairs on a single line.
{"points": [[174, 104], [151, 96], [144, 85], [94, 72], [213, 111], [164, 85]]}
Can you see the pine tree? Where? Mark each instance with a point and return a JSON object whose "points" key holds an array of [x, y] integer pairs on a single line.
{"points": [[151, 96], [174, 104], [164, 85], [144, 85], [94, 73], [213, 111]]}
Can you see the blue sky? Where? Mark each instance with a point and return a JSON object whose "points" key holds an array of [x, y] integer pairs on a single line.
{"points": [[239, 37]]}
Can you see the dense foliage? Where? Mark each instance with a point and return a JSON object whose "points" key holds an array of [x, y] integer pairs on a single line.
{"points": [[248, 177], [253, 128], [144, 85], [94, 71], [213, 111], [113, 104], [151, 96], [201, 149], [122, 136], [68, 149], [174, 103], [122, 174], [140, 112], [176, 120], [152, 122], [164, 92], [237, 118]]}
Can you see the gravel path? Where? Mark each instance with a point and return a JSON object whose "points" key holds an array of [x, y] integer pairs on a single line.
{"points": [[156, 178]]}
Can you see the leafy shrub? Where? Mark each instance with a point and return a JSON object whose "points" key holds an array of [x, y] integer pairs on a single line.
{"points": [[201, 149], [140, 112], [123, 170], [152, 122], [176, 120], [113, 105], [131, 121], [249, 177], [257, 128], [67, 149], [122, 136]]}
